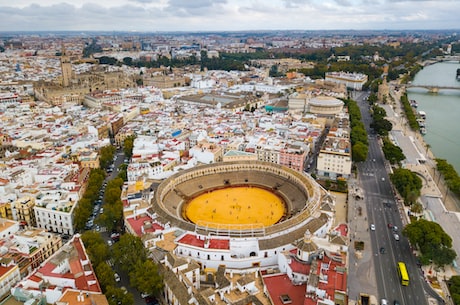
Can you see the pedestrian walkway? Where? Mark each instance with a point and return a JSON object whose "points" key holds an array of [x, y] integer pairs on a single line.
{"points": [[439, 203]]}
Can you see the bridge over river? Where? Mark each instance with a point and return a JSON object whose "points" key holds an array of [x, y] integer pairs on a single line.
{"points": [[434, 88]]}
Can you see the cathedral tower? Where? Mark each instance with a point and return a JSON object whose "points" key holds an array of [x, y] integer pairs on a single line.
{"points": [[66, 68]]}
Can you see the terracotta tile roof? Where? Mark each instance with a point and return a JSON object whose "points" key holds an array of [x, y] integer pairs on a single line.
{"points": [[214, 243]]}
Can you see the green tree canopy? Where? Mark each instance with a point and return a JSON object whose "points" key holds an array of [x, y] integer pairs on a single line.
{"points": [[106, 155], [118, 296], [105, 276], [393, 153], [128, 145], [145, 277], [407, 183], [434, 244], [128, 251], [96, 247], [454, 288], [360, 151]]}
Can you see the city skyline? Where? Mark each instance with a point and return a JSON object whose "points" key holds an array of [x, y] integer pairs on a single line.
{"points": [[227, 15]]}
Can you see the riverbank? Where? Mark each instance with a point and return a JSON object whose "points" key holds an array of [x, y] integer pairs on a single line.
{"points": [[434, 183]]}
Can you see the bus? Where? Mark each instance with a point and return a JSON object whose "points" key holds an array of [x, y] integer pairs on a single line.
{"points": [[402, 271]]}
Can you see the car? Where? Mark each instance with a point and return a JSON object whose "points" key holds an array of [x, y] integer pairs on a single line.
{"points": [[123, 288], [151, 301], [144, 295], [101, 210], [396, 236], [372, 227], [117, 277], [383, 179], [109, 242], [382, 250], [384, 302], [395, 229], [390, 225], [89, 224], [396, 302]]}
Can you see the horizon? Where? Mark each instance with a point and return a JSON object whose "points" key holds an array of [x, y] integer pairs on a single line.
{"points": [[228, 15]]}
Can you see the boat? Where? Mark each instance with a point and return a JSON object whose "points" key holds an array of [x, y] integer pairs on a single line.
{"points": [[421, 114], [413, 103], [422, 130]]}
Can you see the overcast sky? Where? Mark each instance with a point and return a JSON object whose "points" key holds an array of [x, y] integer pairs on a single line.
{"points": [[231, 15]]}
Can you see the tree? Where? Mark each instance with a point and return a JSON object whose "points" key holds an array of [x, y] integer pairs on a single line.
{"points": [[128, 61], [118, 296], [382, 126], [105, 276], [359, 152], [434, 244], [128, 145], [416, 208], [96, 247], [106, 155], [454, 288], [393, 153], [112, 216], [145, 277], [407, 183], [124, 250]]}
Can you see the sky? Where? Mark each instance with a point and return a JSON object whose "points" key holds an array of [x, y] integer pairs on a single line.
{"points": [[227, 15]]}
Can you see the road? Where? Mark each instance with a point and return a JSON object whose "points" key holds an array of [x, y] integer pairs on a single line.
{"points": [[381, 209], [124, 278]]}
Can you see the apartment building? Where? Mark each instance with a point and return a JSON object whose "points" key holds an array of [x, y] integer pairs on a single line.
{"points": [[334, 159], [9, 275], [353, 81], [54, 210], [68, 268]]}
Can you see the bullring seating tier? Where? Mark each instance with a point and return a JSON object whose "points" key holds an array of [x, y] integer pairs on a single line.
{"points": [[300, 193]]}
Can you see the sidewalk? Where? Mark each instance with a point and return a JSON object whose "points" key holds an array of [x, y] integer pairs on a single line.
{"points": [[434, 186]]}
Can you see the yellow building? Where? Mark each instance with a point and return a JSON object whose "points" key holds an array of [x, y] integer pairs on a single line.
{"points": [[24, 208], [89, 159]]}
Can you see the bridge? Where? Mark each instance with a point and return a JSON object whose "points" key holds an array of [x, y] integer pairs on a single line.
{"points": [[433, 88], [440, 59]]}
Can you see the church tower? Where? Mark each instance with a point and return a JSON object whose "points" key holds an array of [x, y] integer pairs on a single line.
{"points": [[66, 68], [306, 247]]}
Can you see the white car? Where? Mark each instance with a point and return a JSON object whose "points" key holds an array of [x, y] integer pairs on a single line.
{"points": [[396, 236], [117, 277], [372, 227]]}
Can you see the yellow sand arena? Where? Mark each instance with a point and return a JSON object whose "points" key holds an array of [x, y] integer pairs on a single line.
{"points": [[244, 205]]}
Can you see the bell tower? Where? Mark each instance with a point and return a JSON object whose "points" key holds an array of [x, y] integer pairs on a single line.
{"points": [[66, 68]]}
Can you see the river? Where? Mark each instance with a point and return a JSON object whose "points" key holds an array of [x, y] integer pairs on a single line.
{"points": [[442, 110]]}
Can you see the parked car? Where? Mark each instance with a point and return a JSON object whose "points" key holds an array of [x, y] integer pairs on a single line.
{"points": [[396, 236], [117, 277], [372, 227], [151, 301]]}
